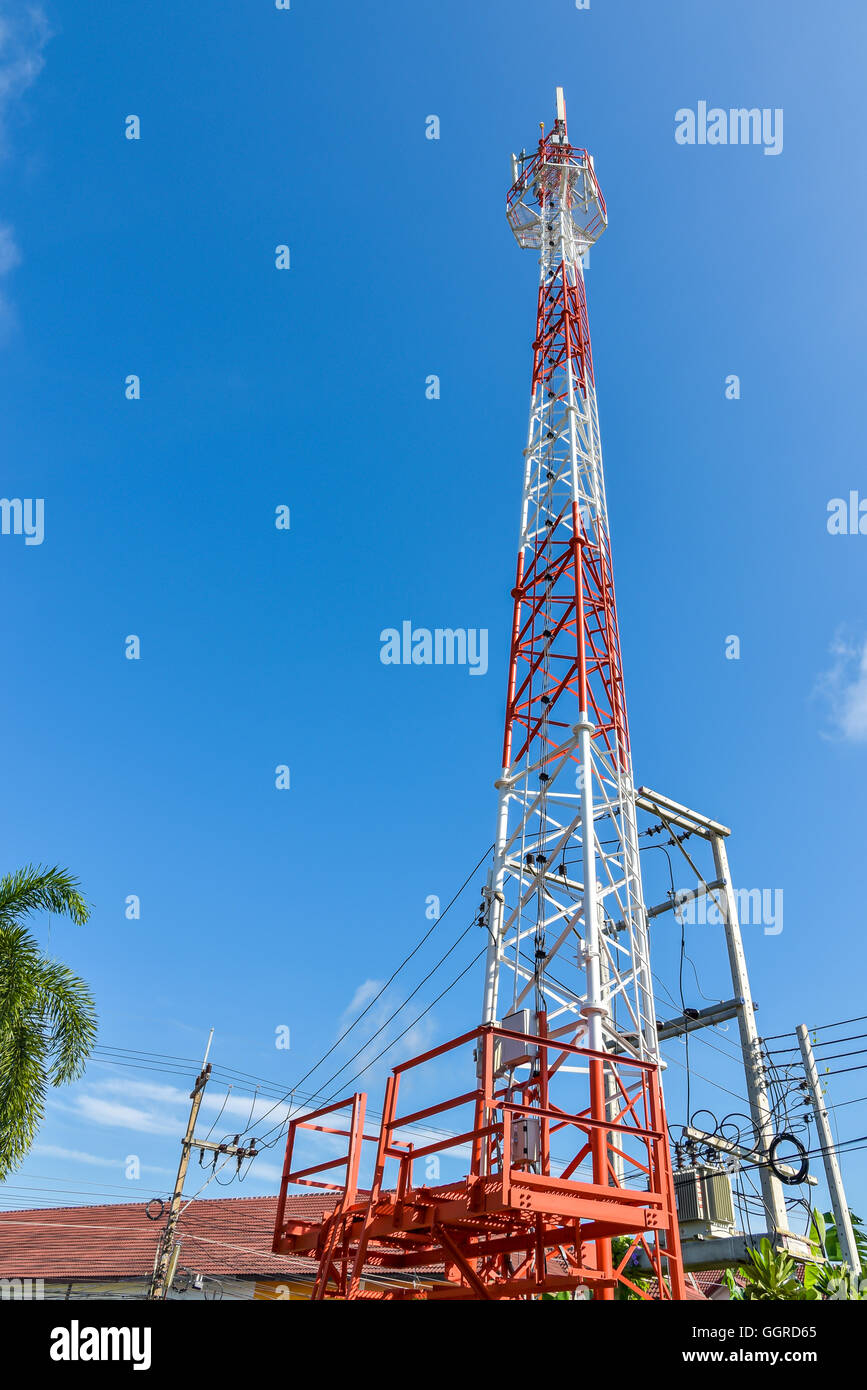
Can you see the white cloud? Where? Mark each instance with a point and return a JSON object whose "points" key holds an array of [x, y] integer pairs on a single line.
{"points": [[844, 689], [117, 1116], [92, 1160], [360, 998], [215, 1098], [163, 1109], [24, 32], [10, 256], [143, 1090], [259, 1172]]}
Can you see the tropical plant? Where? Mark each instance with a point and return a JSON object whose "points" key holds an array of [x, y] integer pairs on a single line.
{"points": [[838, 1282], [824, 1235], [736, 1293], [770, 1277], [834, 1280], [47, 1014]]}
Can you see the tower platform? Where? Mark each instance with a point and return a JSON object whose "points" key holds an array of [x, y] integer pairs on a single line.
{"points": [[521, 1220]]}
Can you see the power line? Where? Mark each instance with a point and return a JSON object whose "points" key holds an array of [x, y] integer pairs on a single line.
{"points": [[426, 1129], [417, 1019], [841, 1071], [841, 1023], [289, 1095], [829, 1042], [710, 1081], [857, 1052], [277, 1086], [393, 1016], [838, 1105]]}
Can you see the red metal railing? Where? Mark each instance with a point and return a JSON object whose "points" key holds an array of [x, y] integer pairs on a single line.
{"points": [[622, 1137], [349, 1162]]}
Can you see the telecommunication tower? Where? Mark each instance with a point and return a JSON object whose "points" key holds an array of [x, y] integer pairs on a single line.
{"points": [[566, 881], [563, 1118]]}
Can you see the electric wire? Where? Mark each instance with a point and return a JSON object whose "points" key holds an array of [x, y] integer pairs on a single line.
{"points": [[289, 1095], [408, 1028], [396, 972], [841, 1023]]}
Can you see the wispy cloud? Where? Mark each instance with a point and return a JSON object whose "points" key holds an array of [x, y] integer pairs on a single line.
{"points": [[143, 1090], [843, 688], [149, 1107], [93, 1160], [362, 996], [10, 257], [117, 1116], [24, 32]]}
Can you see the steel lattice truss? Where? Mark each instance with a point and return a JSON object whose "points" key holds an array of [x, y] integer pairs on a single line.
{"points": [[561, 1110], [566, 780]]}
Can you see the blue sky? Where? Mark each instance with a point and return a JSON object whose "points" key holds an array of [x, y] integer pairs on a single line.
{"points": [[260, 387]]}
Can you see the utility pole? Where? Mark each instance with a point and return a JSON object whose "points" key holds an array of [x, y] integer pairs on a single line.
{"points": [[721, 892], [842, 1220], [754, 1069], [166, 1261], [160, 1281]]}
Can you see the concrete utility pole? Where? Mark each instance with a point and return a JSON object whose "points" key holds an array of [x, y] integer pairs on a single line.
{"points": [[166, 1261], [160, 1280], [842, 1220], [722, 894], [754, 1070]]}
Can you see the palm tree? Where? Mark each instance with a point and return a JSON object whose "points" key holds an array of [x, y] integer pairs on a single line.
{"points": [[47, 1014]]}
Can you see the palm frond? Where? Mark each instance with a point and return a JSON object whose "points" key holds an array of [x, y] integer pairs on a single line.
{"points": [[39, 889], [22, 1047], [68, 1012], [47, 1014]]}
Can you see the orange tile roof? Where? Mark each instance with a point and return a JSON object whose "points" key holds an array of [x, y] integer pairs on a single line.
{"points": [[221, 1236]]}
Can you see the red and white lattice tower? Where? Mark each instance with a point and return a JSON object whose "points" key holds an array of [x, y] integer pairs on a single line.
{"points": [[565, 891], [558, 1131]]}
